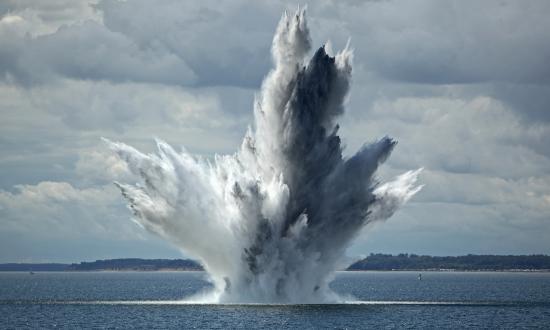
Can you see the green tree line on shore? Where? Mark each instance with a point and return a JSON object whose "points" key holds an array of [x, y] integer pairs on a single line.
{"points": [[468, 262], [377, 261]]}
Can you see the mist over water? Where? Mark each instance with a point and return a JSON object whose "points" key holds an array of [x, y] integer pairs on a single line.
{"points": [[272, 222]]}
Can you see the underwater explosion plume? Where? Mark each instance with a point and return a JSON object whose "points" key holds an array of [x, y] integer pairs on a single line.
{"points": [[271, 223]]}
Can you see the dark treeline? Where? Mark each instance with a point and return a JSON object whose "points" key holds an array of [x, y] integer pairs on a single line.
{"points": [[112, 264], [17, 267], [372, 262], [137, 264], [468, 263]]}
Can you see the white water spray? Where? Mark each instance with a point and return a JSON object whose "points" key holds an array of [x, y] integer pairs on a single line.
{"points": [[271, 223]]}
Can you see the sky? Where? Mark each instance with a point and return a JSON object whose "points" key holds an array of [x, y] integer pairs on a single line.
{"points": [[464, 86]]}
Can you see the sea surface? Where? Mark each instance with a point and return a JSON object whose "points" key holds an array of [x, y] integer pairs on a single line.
{"points": [[152, 300]]}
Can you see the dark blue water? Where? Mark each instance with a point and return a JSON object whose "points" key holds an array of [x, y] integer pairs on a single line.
{"points": [[389, 300]]}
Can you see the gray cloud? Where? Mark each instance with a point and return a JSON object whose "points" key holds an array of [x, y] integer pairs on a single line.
{"points": [[46, 129], [44, 17], [173, 43], [455, 42], [462, 85], [499, 47], [89, 52], [212, 37], [478, 135]]}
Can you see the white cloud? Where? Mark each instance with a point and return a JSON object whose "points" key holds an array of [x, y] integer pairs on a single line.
{"points": [[99, 164], [57, 209], [459, 41], [482, 175], [11, 19], [88, 51], [45, 17], [463, 86], [478, 135], [58, 222]]}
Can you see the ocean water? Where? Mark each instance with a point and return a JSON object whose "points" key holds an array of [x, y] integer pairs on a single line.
{"points": [[153, 300]]}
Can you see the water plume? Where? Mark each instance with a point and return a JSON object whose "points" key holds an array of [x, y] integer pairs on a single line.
{"points": [[272, 222]]}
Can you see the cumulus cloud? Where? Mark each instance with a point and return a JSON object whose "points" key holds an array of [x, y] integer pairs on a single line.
{"points": [[47, 129], [477, 135], [56, 221], [499, 48], [59, 205], [88, 51], [45, 17], [172, 42], [213, 37], [97, 164], [463, 86], [483, 174], [457, 42]]}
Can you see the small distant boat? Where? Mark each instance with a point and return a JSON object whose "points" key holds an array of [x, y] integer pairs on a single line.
{"points": [[420, 277], [31, 272]]}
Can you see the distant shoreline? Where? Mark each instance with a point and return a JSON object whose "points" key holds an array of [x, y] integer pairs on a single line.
{"points": [[374, 262], [338, 271], [452, 270]]}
